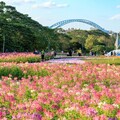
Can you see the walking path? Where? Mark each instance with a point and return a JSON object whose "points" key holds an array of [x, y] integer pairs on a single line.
{"points": [[67, 60]]}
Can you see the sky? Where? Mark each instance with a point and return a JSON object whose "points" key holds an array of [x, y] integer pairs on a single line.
{"points": [[105, 13]]}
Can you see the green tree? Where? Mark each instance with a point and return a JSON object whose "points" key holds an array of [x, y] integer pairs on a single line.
{"points": [[91, 41]]}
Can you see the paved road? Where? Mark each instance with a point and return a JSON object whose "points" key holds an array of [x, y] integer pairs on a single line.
{"points": [[66, 60]]}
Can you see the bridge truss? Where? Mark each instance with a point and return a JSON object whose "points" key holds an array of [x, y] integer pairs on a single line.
{"points": [[64, 22]]}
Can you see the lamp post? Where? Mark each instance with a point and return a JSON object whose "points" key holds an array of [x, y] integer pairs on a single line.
{"points": [[4, 11]]}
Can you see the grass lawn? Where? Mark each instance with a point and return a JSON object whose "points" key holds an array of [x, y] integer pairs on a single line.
{"points": [[103, 60]]}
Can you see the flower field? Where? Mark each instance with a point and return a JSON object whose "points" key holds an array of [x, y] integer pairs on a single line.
{"points": [[48, 91], [22, 57]]}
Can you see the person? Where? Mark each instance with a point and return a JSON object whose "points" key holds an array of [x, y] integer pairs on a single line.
{"points": [[52, 52], [43, 55], [70, 52], [112, 53], [55, 53], [95, 53], [36, 51], [79, 52], [91, 53]]}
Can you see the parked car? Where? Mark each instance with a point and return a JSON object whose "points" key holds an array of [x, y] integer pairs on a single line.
{"points": [[113, 53]]}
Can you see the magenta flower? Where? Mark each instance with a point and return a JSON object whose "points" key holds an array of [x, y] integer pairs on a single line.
{"points": [[1, 114], [112, 119], [36, 116], [91, 112]]}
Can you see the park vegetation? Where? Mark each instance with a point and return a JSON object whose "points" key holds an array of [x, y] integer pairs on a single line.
{"points": [[19, 32]]}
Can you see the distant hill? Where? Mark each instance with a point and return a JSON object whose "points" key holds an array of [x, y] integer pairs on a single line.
{"points": [[20, 32]]}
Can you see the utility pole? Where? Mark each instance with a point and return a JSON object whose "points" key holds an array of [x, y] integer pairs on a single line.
{"points": [[117, 42]]}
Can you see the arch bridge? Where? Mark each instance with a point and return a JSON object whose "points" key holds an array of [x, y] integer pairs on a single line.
{"points": [[64, 22]]}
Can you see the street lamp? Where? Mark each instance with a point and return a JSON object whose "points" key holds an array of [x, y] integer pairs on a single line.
{"points": [[8, 20], [4, 11]]}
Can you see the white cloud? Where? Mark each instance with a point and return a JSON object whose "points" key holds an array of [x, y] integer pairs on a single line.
{"points": [[27, 1], [49, 4], [62, 5], [118, 6], [115, 17], [18, 2], [23, 1]]}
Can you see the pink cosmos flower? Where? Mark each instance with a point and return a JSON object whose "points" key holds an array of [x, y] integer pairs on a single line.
{"points": [[118, 114], [101, 117], [108, 107], [48, 114]]}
